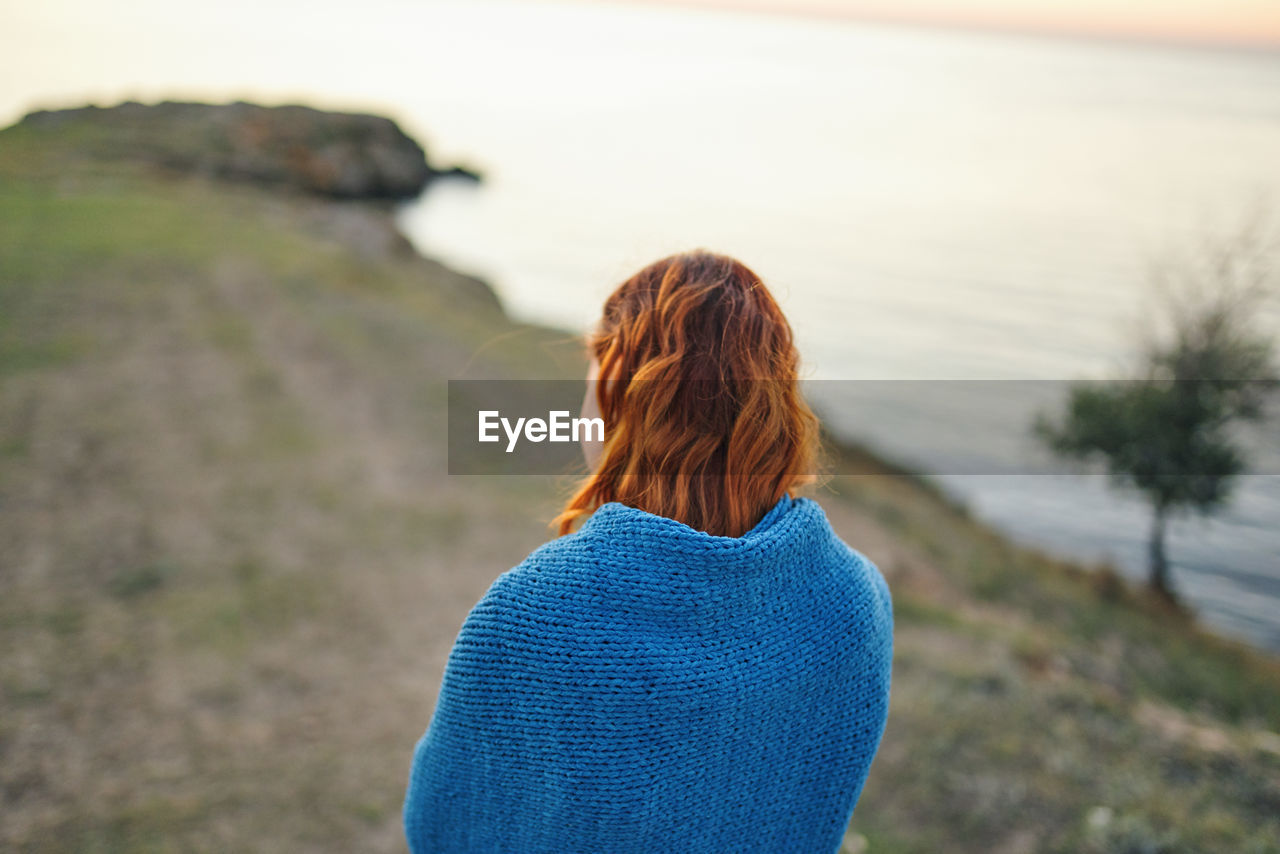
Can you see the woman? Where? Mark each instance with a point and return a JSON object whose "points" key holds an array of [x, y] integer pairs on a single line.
{"points": [[703, 665]]}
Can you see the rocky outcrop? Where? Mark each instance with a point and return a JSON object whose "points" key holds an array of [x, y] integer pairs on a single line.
{"points": [[336, 155]]}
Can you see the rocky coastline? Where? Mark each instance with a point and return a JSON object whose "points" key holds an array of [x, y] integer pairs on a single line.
{"points": [[330, 154]]}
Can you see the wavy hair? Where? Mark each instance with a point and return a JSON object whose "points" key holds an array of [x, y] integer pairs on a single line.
{"points": [[704, 420]]}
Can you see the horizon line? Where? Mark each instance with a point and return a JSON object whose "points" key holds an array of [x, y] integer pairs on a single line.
{"points": [[1266, 42]]}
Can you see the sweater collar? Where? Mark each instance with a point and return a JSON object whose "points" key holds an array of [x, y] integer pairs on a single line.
{"points": [[780, 533]]}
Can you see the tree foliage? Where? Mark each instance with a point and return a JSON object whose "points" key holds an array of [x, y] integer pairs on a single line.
{"points": [[1206, 364]]}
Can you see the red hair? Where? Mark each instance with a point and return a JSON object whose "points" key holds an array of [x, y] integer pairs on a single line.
{"points": [[704, 421]]}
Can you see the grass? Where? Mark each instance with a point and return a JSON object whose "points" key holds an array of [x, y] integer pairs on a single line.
{"points": [[232, 565], [1041, 707]]}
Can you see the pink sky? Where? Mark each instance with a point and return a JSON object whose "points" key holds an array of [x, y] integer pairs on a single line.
{"points": [[1245, 22]]}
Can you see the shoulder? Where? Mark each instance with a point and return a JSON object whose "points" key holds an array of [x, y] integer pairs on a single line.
{"points": [[866, 590], [551, 560], [870, 576], [537, 591], [837, 549]]}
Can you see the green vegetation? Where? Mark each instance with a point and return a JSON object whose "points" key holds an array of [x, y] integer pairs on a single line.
{"points": [[1168, 433], [232, 564], [1043, 707]]}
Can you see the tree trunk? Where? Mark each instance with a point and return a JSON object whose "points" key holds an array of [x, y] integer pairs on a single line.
{"points": [[1159, 566]]}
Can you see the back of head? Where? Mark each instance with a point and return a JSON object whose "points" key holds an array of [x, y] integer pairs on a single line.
{"points": [[698, 389]]}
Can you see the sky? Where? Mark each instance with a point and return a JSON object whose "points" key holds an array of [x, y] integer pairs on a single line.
{"points": [[1230, 22]]}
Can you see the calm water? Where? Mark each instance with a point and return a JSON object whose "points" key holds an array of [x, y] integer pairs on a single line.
{"points": [[926, 204]]}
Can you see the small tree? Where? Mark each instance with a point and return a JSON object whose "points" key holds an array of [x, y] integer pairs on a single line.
{"points": [[1167, 431]]}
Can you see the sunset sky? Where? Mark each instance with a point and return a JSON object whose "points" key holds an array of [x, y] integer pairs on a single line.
{"points": [[1243, 22]]}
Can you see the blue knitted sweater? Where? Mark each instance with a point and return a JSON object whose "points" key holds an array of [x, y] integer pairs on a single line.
{"points": [[639, 686]]}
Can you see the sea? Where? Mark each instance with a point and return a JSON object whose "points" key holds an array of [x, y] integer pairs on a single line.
{"points": [[940, 212]]}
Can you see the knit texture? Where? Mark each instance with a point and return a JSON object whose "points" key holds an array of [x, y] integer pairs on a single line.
{"points": [[639, 686]]}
